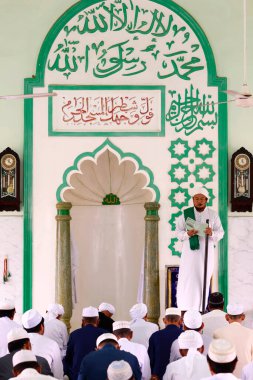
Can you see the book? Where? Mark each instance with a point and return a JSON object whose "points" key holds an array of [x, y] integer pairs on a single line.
{"points": [[193, 224]]}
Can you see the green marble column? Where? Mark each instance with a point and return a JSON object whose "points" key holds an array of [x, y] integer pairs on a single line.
{"points": [[151, 262], [63, 287]]}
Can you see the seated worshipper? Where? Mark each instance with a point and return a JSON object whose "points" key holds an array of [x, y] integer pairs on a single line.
{"points": [[160, 342], [26, 367], [240, 336], [81, 342], [124, 335], [222, 360], [192, 365], [7, 312], [106, 311], [141, 328], [43, 346], [18, 339], [94, 365], [55, 328], [119, 370], [192, 321], [215, 318]]}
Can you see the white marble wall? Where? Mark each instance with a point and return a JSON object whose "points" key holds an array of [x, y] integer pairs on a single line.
{"points": [[11, 246], [240, 258]]}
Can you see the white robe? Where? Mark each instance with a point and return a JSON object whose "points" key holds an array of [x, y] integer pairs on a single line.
{"points": [[6, 324], [221, 376], [191, 367], [57, 330], [142, 331], [191, 270]]}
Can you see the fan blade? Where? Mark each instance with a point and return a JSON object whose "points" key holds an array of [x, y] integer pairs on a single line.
{"points": [[28, 96], [237, 94]]}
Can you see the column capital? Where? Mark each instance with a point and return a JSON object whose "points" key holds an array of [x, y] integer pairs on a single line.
{"points": [[152, 211], [63, 209]]}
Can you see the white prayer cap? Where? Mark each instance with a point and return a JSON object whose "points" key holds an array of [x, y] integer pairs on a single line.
{"points": [[199, 190], [23, 356], [173, 311], [192, 319], [120, 325], [119, 370], [17, 334], [106, 336], [138, 311], [106, 306], [90, 311], [190, 339], [221, 351], [235, 309], [6, 304], [56, 309], [31, 318]]}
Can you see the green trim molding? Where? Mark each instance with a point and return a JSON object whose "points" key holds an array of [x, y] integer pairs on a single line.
{"points": [[38, 81]]}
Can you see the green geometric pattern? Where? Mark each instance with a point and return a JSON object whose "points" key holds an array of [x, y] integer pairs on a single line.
{"points": [[179, 149], [204, 149], [179, 173], [201, 174], [179, 197], [204, 173]]}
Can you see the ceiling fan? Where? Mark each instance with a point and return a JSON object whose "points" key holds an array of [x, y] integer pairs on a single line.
{"points": [[28, 96], [244, 98]]}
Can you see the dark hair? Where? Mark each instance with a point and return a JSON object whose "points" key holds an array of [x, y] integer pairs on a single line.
{"points": [[216, 300], [21, 366], [122, 333], [108, 341], [198, 329], [172, 318], [17, 345], [89, 320], [37, 328], [7, 313], [222, 367]]}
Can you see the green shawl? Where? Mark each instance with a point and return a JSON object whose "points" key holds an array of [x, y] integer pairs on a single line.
{"points": [[194, 240]]}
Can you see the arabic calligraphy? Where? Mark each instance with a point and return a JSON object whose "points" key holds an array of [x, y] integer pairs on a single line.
{"points": [[111, 199], [143, 36], [191, 112], [107, 109]]}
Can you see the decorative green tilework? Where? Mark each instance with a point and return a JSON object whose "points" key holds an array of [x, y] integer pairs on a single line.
{"points": [[175, 247], [179, 197], [204, 149], [179, 148], [179, 173], [173, 220], [204, 173]]}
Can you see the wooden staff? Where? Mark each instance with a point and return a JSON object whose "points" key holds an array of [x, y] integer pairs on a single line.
{"points": [[205, 270]]}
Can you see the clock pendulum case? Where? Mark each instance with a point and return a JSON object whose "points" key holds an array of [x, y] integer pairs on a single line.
{"points": [[241, 181], [9, 180]]}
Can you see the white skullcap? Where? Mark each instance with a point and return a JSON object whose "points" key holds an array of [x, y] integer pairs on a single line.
{"points": [[120, 325], [119, 370], [190, 339], [6, 304], [90, 312], [192, 319], [235, 309], [173, 311], [23, 356], [199, 190], [106, 306], [106, 336], [56, 309], [17, 334], [31, 318], [221, 351], [138, 311]]}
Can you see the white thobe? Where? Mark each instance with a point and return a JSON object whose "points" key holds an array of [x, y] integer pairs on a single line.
{"points": [[140, 352], [213, 320], [247, 372], [31, 373], [191, 367], [57, 330], [142, 331], [175, 353], [221, 376], [48, 349], [190, 277], [6, 324]]}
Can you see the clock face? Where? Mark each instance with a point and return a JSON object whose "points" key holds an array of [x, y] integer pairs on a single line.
{"points": [[8, 162], [242, 162]]}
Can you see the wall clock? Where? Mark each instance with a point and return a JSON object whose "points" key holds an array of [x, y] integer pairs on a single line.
{"points": [[241, 181], [9, 180]]}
